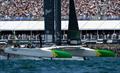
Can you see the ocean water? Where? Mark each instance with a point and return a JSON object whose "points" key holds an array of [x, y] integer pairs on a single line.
{"points": [[93, 65]]}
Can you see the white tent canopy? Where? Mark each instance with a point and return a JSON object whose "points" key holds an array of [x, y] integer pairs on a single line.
{"points": [[95, 25], [21, 25], [39, 25]]}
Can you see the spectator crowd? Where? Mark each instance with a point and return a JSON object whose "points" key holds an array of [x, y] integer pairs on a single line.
{"points": [[85, 9], [95, 36], [83, 36], [93, 9], [21, 9], [19, 37]]}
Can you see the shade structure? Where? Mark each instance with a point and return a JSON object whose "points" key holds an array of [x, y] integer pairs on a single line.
{"points": [[95, 25], [39, 25], [21, 25]]}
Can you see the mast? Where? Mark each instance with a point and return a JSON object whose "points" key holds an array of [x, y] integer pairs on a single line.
{"points": [[49, 20], [57, 21], [52, 10], [73, 29]]}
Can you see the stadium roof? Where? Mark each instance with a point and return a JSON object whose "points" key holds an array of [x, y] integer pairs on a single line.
{"points": [[39, 25]]}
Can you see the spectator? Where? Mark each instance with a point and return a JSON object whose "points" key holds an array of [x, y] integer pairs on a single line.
{"points": [[85, 9]]}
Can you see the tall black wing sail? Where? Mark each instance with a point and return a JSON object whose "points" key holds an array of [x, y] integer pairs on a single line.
{"points": [[49, 19], [73, 29]]}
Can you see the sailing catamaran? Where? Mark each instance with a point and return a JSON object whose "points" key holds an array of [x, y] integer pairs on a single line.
{"points": [[60, 52], [63, 51]]}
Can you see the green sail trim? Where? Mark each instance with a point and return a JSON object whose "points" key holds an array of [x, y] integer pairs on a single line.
{"points": [[105, 53], [61, 54]]}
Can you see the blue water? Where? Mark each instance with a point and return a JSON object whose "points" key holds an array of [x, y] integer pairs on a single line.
{"points": [[93, 65]]}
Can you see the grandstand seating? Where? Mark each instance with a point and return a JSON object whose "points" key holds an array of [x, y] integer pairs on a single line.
{"points": [[85, 9]]}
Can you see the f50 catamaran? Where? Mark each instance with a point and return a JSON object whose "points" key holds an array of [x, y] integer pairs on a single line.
{"points": [[63, 51], [60, 52]]}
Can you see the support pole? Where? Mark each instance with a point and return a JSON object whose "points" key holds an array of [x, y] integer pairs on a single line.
{"points": [[57, 21], [49, 19]]}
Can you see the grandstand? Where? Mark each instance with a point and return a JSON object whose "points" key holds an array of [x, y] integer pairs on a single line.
{"points": [[25, 17], [85, 9]]}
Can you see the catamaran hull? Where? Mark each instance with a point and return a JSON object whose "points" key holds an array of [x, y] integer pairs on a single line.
{"points": [[34, 52], [63, 52]]}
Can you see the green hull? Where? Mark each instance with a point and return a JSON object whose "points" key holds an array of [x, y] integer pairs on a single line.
{"points": [[61, 54], [105, 53]]}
